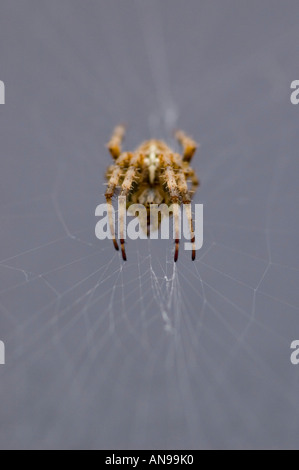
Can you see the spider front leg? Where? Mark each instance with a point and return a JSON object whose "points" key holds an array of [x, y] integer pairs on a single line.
{"points": [[114, 144], [170, 180], [115, 175], [188, 144], [183, 188], [126, 186]]}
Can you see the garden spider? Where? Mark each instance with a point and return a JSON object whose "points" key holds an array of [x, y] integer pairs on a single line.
{"points": [[152, 174]]}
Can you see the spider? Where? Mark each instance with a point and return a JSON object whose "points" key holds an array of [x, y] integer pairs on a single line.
{"points": [[152, 174]]}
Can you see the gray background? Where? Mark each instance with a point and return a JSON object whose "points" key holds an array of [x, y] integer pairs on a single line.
{"points": [[147, 355]]}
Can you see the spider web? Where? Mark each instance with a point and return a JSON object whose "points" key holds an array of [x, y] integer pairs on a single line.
{"points": [[148, 353]]}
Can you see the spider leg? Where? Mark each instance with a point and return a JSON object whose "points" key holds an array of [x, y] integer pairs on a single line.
{"points": [[186, 198], [114, 144], [188, 144], [115, 175], [171, 183], [126, 187]]}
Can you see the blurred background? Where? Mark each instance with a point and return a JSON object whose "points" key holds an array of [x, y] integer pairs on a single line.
{"points": [[148, 354]]}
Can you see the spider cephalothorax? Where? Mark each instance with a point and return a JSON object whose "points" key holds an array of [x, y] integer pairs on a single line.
{"points": [[152, 174]]}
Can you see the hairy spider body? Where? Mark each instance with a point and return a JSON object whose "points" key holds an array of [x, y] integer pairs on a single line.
{"points": [[152, 174]]}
